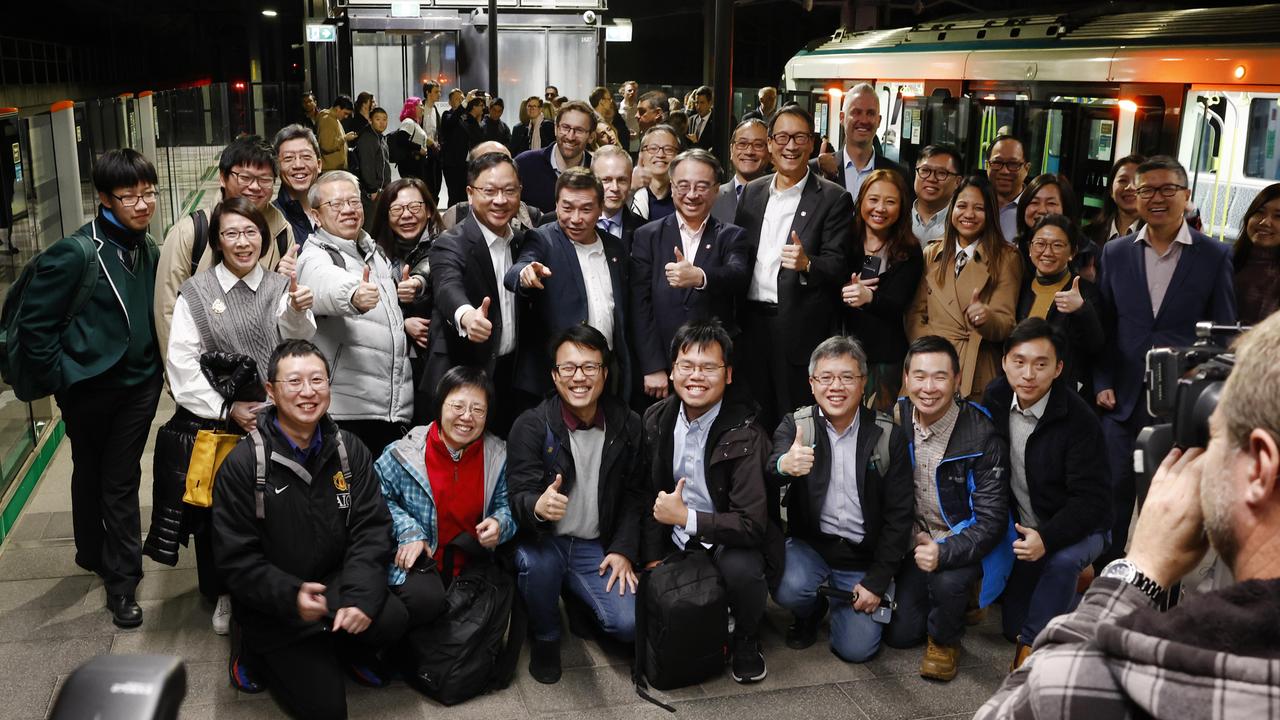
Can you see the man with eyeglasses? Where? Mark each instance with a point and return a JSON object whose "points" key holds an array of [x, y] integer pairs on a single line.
{"points": [[1007, 169], [574, 122], [799, 229], [359, 323], [749, 156], [1156, 284], [573, 275], [685, 267], [247, 168], [474, 318], [526, 217], [298, 157], [706, 456], [575, 479], [937, 177], [102, 366], [860, 114], [849, 504], [305, 546]]}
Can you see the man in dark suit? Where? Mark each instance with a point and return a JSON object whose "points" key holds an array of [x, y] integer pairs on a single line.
{"points": [[611, 164], [574, 123], [494, 127], [768, 97], [861, 118], [534, 131], [462, 132], [749, 153], [685, 267], [602, 102], [799, 232], [474, 317], [573, 275], [1156, 285], [702, 124]]}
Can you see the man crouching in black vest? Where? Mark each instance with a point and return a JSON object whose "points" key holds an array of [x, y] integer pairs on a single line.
{"points": [[707, 455], [303, 539]]}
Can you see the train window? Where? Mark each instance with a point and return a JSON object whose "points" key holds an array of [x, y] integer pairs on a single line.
{"points": [[1260, 160]]}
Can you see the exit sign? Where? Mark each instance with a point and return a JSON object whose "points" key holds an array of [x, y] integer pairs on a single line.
{"points": [[322, 33]]}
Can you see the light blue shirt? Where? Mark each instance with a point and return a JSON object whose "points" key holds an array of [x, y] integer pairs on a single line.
{"points": [[842, 509], [1009, 221], [689, 447], [853, 175]]}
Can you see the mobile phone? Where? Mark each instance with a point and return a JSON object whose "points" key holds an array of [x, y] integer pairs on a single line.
{"points": [[882, 614], [870, 267]]}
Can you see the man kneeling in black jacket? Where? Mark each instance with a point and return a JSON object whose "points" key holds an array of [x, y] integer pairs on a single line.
{"points": [[303, 539]]}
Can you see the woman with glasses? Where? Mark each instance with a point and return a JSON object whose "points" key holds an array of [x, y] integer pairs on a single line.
{"points": [[1119, 212], [1047, 194], [442, 480], [652, 199], [969, 291], [405, 223], [883, 284], [233, 307], [1256, 258], [1054, 292]]}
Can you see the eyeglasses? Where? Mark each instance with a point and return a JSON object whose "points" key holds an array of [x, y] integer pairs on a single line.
{"points": [[234, 235], [660, 149], [684, 368], [493, 192], [784, 139], [351, 203], [1058, 247], [686, 188], [249, 179], [827, 379], [1007, 165], [744, 145], [1146, 192], [413, 208], [572, 131], [934, 173], [305, 157], [148, 197], [477, 411], [294, 385], [568, 370]]}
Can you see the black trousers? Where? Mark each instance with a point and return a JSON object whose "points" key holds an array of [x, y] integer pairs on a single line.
{"points": [[1120, 439], [930, 603], [455, 182], [108, 429], [760, 359], [745, 586], [422, 593]]}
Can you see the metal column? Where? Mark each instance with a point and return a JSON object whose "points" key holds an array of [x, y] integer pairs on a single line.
{"points": [[147, 145], [493, 48], [723, 79], [66, 164]]}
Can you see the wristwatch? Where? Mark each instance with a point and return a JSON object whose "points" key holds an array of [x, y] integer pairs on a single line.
{"points": [[1128, 572]]}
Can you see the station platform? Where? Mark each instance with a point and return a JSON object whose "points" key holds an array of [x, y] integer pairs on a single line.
{"points": [[52, 619]]}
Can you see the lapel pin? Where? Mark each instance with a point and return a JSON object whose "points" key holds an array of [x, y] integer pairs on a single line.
{"points": [[804, 213], [707, 246]]}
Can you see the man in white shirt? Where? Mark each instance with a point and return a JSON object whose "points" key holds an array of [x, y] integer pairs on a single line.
{"points": [[630, 109], [702, 129], [937, 176]]}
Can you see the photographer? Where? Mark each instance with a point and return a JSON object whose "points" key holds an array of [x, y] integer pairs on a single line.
{"points": [[1117, 655]]}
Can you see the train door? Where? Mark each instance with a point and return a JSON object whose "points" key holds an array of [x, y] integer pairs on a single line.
{"points": [[932, 120], [1096, 144]]}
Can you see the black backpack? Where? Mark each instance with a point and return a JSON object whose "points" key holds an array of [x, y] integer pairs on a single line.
{"points": [[473, 647], [682, 624]]}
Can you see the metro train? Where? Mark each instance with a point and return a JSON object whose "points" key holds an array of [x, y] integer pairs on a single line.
{"points": [[1081, 89]]}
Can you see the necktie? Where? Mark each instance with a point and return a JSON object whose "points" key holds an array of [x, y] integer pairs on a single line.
{"points": [[962, 259], [606, 225], [738, 190]]}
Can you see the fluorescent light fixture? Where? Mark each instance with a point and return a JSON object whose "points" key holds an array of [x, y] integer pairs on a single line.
{"points": [[270, 13]]}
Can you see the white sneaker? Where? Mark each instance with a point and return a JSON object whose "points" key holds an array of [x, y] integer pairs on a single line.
{"points": [[222, 615]]}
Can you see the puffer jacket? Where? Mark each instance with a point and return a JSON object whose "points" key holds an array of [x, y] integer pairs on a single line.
{"points": [[170, 525], [368, 352], [402, 472]]}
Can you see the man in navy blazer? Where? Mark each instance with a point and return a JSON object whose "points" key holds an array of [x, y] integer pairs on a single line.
{"points": [[685, 267], [1157, 283], [574, 124], [572, 274]]}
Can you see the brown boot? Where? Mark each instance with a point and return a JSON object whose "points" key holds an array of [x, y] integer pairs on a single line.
{"points": [[975, 614], [1020, 654], [939, 661]]}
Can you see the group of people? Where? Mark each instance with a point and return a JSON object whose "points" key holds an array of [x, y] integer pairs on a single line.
{"points": [[920, 388]]}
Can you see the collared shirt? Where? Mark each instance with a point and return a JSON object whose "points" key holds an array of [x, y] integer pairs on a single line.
{"points": [[187, 382], [854, 175], [500, 257], [1021, 424], [930, 448], [559, 164], [572, 422], [927, 232], [689, 445], [1114, 230], [599, 286], [738, 184], [775, 231], [431, 123], [699, 124], [842, 509], [301, 454], [611, 224], [690, 238], [970, 253], [1009, 220], [1160, 267]]}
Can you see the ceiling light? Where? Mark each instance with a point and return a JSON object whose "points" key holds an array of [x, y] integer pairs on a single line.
{"points": [[270, 13]]}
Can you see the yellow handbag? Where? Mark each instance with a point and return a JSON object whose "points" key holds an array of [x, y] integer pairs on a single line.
{"points": [[211, 448]]}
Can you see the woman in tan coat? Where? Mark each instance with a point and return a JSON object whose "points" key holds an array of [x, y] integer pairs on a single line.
{"points": [[969, 291]]}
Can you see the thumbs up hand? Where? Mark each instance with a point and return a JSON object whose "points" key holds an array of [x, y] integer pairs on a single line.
{"points": [[409, 286], [669, 508], [798, 459], [793, 255], [300, 297], [859, 292], [977, 311], [683, 273], [551, 505], [289, 263], [476, 322], [1070, 300], [532, 274], [365, 297], [926, 552]]}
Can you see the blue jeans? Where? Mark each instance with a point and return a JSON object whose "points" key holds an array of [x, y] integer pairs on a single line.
{"points": [[546, 564], [1039, 591], [855, 637]]}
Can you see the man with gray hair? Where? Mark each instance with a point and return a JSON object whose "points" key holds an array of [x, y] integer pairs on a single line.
{"points": [[768, 97], [849, 508], [359, 324], [860, 115], [298, 156]]}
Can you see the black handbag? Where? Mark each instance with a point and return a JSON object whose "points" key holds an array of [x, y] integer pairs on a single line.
{"points": [[234, 376]]}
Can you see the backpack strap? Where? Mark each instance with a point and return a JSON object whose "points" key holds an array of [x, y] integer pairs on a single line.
{"points": [[88, 279], [346, 471], [804, 421], [201, 223], [259, 475], [880, 457], [282, 241]]}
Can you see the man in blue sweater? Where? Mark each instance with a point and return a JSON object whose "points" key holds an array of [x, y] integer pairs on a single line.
{"points": [[539, 168]]}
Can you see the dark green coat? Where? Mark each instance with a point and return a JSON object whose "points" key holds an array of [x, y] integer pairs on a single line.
{"points": [[55, 355]]}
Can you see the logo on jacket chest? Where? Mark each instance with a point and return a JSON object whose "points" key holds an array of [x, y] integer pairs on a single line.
{"points": [[340, 484]]}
